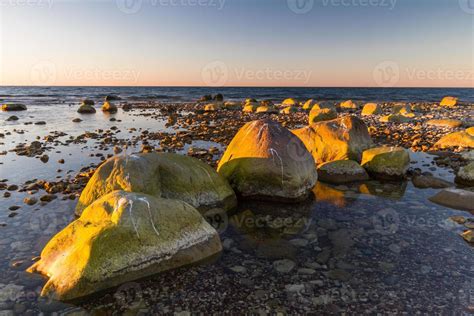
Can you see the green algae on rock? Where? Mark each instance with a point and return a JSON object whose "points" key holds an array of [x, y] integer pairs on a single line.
{"points": [[387, 163], [162, 175], [341, 171], [120, 238]]}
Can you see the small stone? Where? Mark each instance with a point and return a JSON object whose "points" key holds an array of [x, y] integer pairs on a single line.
{"points": [[61, 161], [239, 269], [12, 118], [294, 287], [14, 208], [468, 236], [44, 158], [30, 200], [12, 187], [339, 274], [283, 266], [306, 271], [48, 197], [77, 120]]}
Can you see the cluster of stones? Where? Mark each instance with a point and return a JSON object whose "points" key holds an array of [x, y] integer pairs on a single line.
{"points": [[143, 214]]}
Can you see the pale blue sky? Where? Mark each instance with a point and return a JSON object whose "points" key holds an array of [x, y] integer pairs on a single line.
{"points": [[252, 42]]}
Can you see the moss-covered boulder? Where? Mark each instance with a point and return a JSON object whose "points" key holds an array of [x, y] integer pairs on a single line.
{"points": [[341, 171], [465, 175], [11, 107], [123, 237], [371, 109], [387, 163], [456, 139], [162, 175], [449, 101], [340, 139], [86, 109], [266, 161], [109, 107], [320, 115]]}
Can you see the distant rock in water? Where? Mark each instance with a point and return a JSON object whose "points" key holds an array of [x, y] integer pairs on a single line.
{"points": [[455, 198], [13, 118], [218, 97], [86, 109], [13, 107], [206, 98], [88, 102], [266, 161], [161, 175], [120, 238], [112, 98], [109, 107], [343, 138], [465, 175], [386, 163]]}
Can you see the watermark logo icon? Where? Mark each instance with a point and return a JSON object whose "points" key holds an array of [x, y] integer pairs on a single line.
{"points": [[43, 74], [129, 295], [215, 74], [386, 221], [129, 6], [467, 6], [387, 74], [300, 6], [218, 219]]}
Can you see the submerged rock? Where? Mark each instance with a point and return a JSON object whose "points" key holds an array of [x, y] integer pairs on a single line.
{"points": [[449, 101], [340, 139], [455, 198], [465, 175], [456, 139], [120, 238], [109, 107], [86, 109], [13, 107], [387, 163], [162, 175], [320, 115], [341, 171], [371, 109], [425, 182], [266, 161]]}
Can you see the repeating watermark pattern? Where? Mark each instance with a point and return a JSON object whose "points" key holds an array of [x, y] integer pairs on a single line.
{"points": [[46, 73], [218, 219], [134, 6], [129, 295], [218, 74], [305, 6], [386, 221], [467, 6], [27, 3], [300, 6], [386, 74]]}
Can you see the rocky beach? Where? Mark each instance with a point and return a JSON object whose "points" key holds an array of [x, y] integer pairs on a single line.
{"points": [[295, 205]]}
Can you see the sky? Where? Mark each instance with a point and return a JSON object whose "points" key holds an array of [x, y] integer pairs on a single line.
{"points": [[317, 43]]}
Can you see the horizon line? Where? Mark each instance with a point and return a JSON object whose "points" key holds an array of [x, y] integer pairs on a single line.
{"points": [[209, 87]]}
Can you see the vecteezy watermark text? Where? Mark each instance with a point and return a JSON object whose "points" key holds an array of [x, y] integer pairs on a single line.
{"points": [[133, 6], [27, 3]]}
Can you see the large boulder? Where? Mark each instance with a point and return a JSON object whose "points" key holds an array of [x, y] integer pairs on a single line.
{"points": [[371, 109], [386, 163], [457, 139], [86, 109], [120, 238], [162, 175], [455, 198], [109, 107], [13, 107], [341, 171], [266, 161], [320, 115], [449, 101], [465, 175], [340, 139]]}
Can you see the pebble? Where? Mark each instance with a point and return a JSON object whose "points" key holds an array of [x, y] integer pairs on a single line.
{"points": [[284, 266], [30, 200]]}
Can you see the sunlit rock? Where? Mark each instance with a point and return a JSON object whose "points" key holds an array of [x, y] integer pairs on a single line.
{"points": [[266, 161], [349, 104], [266, 109], [122, 237], [468, 236], [310, 104], [340, 139], [465, 175], [232, 106], [371, 109], [212, 107], [444, 123], [341, 171], [449, 101], [13, 107], [288, 110], [455, 198], [289, 102], [456, 139], [320, 115], [386, 162], [249, 108], [162, 175], [109, 107]]}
